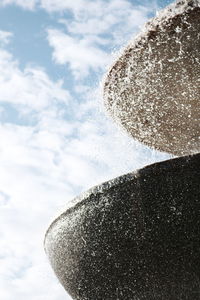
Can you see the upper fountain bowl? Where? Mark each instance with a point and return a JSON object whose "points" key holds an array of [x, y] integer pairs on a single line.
{"points": [[153, 89]]}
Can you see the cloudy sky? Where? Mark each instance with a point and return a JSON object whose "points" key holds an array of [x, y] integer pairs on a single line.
{"points": [[55, 138]]}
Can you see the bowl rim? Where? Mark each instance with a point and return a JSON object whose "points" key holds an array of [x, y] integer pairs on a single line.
{"points": [[155, 168]]}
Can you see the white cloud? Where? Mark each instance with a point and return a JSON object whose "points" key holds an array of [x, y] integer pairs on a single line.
{"points": [[31, 87], [24, 217], [62, 5], [5, 37], [28, 169], [49, 5], [80, 54], [26, 4], [106, 16], [93, 26], [101, 26], [79, 8]]}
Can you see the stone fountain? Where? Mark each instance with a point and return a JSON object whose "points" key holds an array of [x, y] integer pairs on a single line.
{"points": [[137, 237]]}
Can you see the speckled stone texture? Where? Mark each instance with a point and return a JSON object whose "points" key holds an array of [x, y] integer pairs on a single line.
{"points": [[134, 238], [153, 88]]}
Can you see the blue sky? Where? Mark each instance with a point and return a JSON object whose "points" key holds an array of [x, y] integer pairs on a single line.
{"points": [[56, 139]]}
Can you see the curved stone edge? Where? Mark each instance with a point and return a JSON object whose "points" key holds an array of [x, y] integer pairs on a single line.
{"points": [[85, 197]]}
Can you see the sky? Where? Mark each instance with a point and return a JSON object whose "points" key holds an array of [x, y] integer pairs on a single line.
{"points": [[56, 139]]}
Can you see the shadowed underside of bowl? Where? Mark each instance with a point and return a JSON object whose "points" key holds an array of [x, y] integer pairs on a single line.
{"points": [[153, 88], [135, 237]]}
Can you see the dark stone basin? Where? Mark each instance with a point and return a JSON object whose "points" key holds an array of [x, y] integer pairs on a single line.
{"points": [[135, 237]]}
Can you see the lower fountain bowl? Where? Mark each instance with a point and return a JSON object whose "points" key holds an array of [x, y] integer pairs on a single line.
{"points": [[135, 237]]}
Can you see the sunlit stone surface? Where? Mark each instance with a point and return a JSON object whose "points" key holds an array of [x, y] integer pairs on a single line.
{"points": [[133, 238], [153, 89]]}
